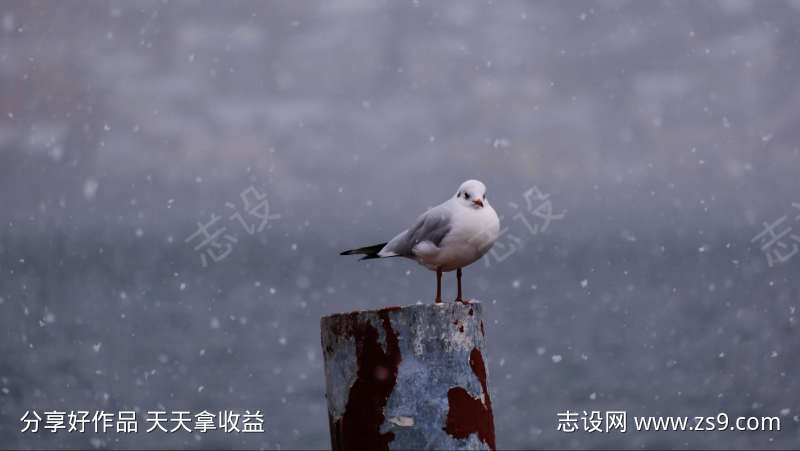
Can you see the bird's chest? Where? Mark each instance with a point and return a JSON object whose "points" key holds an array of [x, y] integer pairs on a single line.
{"points": [[467, 241], [475, 233]]}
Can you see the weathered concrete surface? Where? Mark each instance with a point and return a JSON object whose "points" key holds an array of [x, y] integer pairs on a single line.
{"points": [[408, 378]]}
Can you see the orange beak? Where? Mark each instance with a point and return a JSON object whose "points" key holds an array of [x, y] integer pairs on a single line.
{"points": [[478, 202]]}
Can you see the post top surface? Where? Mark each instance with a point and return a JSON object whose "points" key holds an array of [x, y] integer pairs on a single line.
{"points": [[406, 308]]}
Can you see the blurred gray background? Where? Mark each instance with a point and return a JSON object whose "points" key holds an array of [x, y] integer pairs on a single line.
{"points": [[665, 132]]}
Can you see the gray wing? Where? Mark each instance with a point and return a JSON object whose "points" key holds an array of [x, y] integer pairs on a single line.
{"points": [[433, 226]]}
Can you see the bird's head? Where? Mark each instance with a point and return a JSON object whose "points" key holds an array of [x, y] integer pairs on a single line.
{"points": [[472, 193]]}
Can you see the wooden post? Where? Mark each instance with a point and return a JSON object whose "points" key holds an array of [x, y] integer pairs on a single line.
{"points": [[408, 378]]}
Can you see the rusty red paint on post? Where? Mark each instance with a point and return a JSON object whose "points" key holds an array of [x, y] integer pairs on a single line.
{"points": [[468, 415], [359, 425]]}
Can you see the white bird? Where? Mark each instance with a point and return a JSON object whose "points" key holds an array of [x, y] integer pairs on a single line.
{"points": [[449, 236]]}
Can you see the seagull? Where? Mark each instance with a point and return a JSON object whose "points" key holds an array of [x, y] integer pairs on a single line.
{"points": [[447, 237]]}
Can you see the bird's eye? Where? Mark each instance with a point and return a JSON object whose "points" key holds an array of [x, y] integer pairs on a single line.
{"points": [[484, 197], [466, 195]]}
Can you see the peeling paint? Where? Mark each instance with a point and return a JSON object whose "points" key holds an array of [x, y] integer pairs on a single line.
{"points": [[359, 425], [340, 372], [468, 415], [402, 421], [459, 341], [418, 346]]}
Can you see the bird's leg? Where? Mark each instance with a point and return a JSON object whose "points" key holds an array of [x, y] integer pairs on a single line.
{"points": [[459, 298], [438, 285]]}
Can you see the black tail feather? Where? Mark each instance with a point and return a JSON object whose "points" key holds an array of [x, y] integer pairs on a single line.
{"points": [[368, 251]]}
